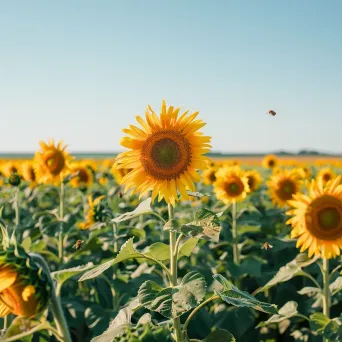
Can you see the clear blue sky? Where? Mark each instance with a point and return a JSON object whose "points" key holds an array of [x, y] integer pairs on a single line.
{"points": [[81, 70]]}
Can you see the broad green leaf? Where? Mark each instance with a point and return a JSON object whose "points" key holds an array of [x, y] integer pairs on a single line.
{"points": [[127, 252], [220, 336], [143, 208], [187, 247], [63, 275], [243, 229], [302, 260], [172, 226], [118, 326], [232, 295], [285, 312], [318, 321], [336, 285], [333, 331], [172, 302], [205, 225], [26, 244], [309, 290], [158, 250]]}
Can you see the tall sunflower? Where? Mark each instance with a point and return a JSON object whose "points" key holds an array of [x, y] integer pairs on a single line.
{"points": [[94, 213], [231, 184], [164, 154], [270, 161], [317, 218], [51, 163], [254, 179], [282, 186], [28, 173], [209, 175], [325, 175], [10, 167], [118, 174]]}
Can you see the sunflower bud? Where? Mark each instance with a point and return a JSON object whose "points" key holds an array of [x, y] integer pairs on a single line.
{"points": [[14, 179], [24, 285]]}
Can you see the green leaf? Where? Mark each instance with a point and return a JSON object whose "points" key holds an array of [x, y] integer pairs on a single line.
{"points": [[63, 275], [243, 229], [206, 225], [172, 302], [26, 244], [336, 285], [127, 252], [143, 208], [220, 336], [309, 291], [117, 327], [285, 312], [159, 251], [318, 322], [333, 331], [232, 295], [172, 226], [196, 194], [187, 247]]}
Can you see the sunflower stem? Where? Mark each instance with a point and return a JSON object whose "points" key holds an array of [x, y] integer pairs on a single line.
{"points": [[236, 252], [173, 271], [17, 207], [326, 290], [115, 234], [61, 217]]}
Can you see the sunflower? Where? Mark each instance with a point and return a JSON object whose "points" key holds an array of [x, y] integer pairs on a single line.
{"points": [[82, 175], [27, 172], [317, 218], [282, 186], [118, 174], [254, 179], [24, 286], [303, 172], [10, 167], [325, 175], [270, 161], [94, 213], [209, 175], [51, 163], [164, 154], [231, 184]]}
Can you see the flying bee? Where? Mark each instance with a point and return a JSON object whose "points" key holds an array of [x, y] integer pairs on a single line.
{"points": [[272, 112], [78, 244], [266, 246], [120, 194]]}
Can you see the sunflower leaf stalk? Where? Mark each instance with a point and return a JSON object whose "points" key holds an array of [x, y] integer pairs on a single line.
{"points": [[61, 217], [173, 271]]}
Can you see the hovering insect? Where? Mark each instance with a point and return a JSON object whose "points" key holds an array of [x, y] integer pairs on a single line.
{"points": [[272, 112], [266, 246], [120, 194], [78, 244]]}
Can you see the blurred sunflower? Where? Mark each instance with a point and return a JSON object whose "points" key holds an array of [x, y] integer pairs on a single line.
{"points": [[24, 287], [119, 174], [82, 175], [282, 186], [317, 219], [303, 172], [209, 175], [270, 161], [28, 174], [231, 184], [254, 179], [325, 175], [94, 213], [164, 154], [10, 167], [51, 164]]}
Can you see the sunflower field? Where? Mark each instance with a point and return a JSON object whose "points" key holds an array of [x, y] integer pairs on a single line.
{"points": [[163, 243]]}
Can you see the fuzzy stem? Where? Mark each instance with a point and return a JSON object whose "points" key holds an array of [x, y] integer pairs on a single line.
{"points": [[55, 304], [236, 252], [173, 271], [61, 217], [326, 290], [17, 207], [115, 234]]}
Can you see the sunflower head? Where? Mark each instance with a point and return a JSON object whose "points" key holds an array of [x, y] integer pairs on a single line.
{"points": [[317, 218], [209, 175], [24, 286], [303, 172], [119, 173], [231, 184], [51, 163], [10, 167], [28, 173], [325, 175], [95, 212], [282, 186], [82, 176], [164, 153], [254, 179], [270, 161]]}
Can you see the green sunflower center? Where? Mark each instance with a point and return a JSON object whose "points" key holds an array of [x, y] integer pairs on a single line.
{"points": [[166, 153], [329, 218], [233, 188]]}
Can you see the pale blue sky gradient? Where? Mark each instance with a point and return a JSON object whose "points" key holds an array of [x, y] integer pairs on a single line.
{"points": [[81, 70]]}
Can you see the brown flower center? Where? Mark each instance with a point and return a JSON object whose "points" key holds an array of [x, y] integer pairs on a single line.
{"points": [[165, 155], [54, 160], [286, 189], [234, 187]]}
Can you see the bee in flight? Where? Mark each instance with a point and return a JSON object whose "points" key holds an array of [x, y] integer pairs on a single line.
{"points": [[78, 244], [266, 246], [272, 112]]}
